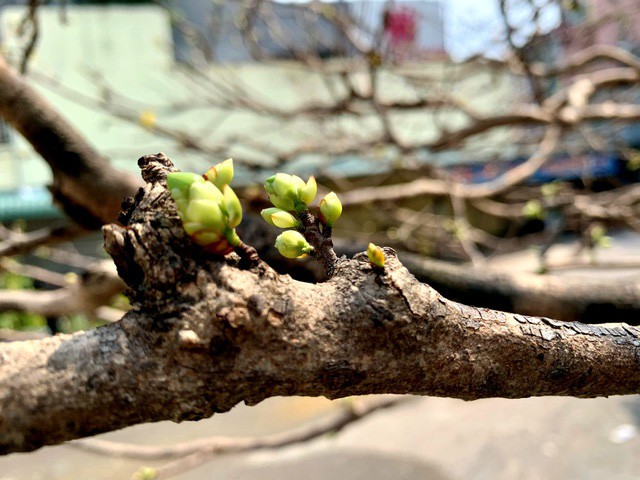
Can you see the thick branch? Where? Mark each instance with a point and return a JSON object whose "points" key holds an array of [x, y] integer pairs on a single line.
{"points": [[567, 299], [204, 335], [87, 188]]}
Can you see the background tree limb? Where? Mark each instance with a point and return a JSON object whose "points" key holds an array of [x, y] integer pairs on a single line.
{"points": [[84, 184]]}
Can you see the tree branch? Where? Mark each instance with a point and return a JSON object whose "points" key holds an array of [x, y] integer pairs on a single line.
{"points": [[426, 186], [349, 412], [94, 289], [204, 335], [84, 184], [18, 243]]}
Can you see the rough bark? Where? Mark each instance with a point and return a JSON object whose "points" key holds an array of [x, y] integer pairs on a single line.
{"points": [[569, 299], [84, 184], [204, 335]]}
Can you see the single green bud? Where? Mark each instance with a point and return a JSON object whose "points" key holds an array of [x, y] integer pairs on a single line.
{"points": [[266, 214], [232, 207], [292, 244], [181, 181], [533, 210], [550, 190], [376, 255], [145, 473], [598, 232], [220, 174], [308, 192], [279, 218], [330, 209]]}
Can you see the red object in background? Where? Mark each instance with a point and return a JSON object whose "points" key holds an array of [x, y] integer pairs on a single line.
{"points": [[400, 25]]}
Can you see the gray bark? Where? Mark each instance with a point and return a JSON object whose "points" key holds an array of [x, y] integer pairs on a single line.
{"points": [[204, 335]]}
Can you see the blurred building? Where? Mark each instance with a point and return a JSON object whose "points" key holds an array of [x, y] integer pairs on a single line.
{"points": [[412, 30], [115, 71]]}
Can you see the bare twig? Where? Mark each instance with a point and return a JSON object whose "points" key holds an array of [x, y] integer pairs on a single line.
{"points": [[194, 453], [18, 243], [31, 20], [95, 288], [439, 187], [350, 411], [34, 272]]}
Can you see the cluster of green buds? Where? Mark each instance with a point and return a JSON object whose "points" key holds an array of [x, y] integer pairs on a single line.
{"points": [[289, 192], [290, 197], [208, 207]]}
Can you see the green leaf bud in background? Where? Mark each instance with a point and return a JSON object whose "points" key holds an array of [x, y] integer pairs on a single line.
{"points": [[533, 209]]}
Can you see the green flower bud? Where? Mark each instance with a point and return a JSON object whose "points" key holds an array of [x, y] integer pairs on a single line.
{"points": [[181, 181], [308, 192], [205, 191], [279, 218], [220, 174], [376, 255], [284, 219], [533, 209], [232, 207], [145, 473], [209, 214], [206, 212], [330, 209], [282, 203], [266, 215], [292, 244], [284, 191]]}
